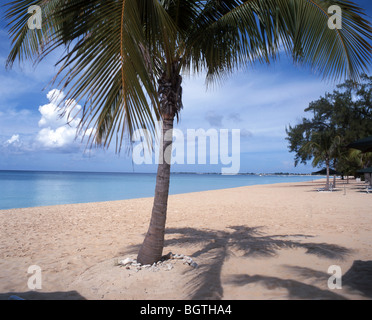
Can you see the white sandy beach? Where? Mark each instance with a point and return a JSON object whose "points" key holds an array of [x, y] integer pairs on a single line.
{"points": [[259, 242]]}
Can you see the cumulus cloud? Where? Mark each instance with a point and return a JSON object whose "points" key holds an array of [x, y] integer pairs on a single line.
{"points": [[59, 122], [54, 129], [56, 113], [55, 96], [58, 138]]}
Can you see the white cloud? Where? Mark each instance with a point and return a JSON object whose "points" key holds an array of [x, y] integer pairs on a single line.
{"points": [[13, 139], [16, 144], [59, 122], [58, 138], [55, 96], [49, 116], [55, 128], [56, 113]]}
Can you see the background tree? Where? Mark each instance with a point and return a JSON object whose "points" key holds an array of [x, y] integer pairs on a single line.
{"points": [[353, 160], [323, 146], [125, 58], [346, 114]]}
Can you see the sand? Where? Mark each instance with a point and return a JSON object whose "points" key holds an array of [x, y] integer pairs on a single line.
{"points": [[260, 242]]}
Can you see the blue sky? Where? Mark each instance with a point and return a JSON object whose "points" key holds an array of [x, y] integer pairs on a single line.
{"points": [[260, 102]]}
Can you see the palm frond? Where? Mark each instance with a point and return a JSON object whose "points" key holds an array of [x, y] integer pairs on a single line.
{"points": [[233, 34], [27, 43]]}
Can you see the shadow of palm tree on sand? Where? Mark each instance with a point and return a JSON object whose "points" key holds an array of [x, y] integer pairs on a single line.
{"points": [[216, 246]]}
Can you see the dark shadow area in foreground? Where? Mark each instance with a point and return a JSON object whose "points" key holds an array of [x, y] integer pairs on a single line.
{"points": [[359, 277]]}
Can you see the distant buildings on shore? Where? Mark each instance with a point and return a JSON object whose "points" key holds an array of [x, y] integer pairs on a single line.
{"points": [[250, 173]]}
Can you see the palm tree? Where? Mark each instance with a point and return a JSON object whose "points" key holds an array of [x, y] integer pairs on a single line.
{"points": [[126, 58], [324, 147], [360, 160], [349, 162]]}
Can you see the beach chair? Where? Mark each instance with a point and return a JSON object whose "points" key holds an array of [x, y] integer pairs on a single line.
{"points": [[324, 189]]}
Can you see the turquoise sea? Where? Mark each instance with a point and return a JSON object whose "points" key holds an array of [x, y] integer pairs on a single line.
{"points": [[21, 189]]}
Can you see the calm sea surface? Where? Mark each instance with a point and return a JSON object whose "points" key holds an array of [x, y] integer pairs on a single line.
{"points": [[21, 189]]}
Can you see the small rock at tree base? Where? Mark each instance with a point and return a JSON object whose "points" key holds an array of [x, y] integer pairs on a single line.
{"points": [[126, 261]]}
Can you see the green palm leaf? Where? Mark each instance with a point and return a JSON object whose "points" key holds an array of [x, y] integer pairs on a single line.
{"points": [[257, 30]]}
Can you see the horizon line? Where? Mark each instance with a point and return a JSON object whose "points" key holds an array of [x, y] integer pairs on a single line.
{"points": [[173, 172]]}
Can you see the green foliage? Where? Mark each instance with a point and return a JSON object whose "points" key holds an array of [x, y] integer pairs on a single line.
{"points": [[338, 119], [353, 160], [323, 146]]}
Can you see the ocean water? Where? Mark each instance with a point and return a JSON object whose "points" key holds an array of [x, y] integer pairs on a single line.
{"points": [[22, 189]]}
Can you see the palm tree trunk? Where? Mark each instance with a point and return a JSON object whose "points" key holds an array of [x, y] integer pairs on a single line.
{"points": [[334, 181], [327, 183], [170, 96], [334, 176], [152, 247]]}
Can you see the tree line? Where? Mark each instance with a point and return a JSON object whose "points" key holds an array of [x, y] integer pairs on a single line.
{"points": [[336, 120]]}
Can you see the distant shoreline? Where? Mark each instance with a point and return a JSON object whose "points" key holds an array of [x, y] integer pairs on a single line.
{"points": [[176, 172]]}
